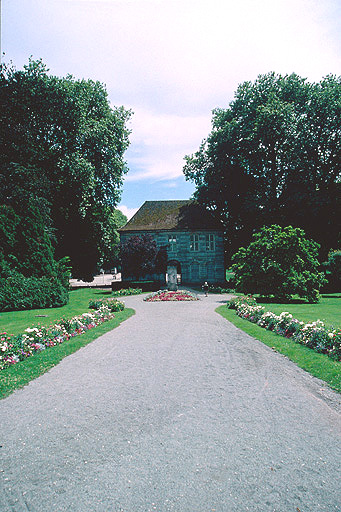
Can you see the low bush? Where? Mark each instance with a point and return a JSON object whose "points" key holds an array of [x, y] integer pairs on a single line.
{"points": [[113, 305], [219, 289], [18, 292], [126, 291], [314, 335]]}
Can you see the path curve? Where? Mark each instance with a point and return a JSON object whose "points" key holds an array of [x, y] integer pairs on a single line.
{"points": [[175, 410]]}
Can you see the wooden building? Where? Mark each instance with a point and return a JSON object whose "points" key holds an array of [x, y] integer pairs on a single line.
{"points": [[194, 239]]}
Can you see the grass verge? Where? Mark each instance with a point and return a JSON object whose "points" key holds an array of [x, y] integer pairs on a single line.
{"points": [[22, 373], [327, 309], [318, 365]]}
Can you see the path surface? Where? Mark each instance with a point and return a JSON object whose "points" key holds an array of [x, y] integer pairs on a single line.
{"points": [[175, 410]]}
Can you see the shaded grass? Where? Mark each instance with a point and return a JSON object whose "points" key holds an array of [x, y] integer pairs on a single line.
{"points": [[319, 365], [15, 322], [22, 373]]}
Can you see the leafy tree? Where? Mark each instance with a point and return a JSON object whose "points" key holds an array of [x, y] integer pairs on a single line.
{"points": [[62, 146], [110, 243], [279, 262], [333, 268], [274, 155], [138, 255]]}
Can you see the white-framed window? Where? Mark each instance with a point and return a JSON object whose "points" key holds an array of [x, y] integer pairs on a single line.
{"points": [[210, 242], [194, 243], [172, 242]]}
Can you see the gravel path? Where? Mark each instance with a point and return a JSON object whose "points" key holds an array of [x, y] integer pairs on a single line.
{"points": [[175, 410]]}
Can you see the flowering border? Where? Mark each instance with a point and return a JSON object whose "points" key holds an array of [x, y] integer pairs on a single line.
{"points": [[314, 335], [16, 348], [174, 296]]}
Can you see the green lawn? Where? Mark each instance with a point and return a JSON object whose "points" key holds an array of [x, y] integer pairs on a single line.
{"points": [[328, 310], [319, 365], [16, 322]]}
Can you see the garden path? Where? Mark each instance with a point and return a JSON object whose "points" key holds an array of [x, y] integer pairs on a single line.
{"points": [[175, 410]]}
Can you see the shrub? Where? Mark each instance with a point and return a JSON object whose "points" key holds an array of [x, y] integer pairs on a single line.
{"points": [[112, 305], [127, 291], [279, 262], [18, 292], [235, 302], [333, 270]]}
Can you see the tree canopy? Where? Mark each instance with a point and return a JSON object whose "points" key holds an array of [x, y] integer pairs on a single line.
{"points": [[273, 156], [62, 148]]}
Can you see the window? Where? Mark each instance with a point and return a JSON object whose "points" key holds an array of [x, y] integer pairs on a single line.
{"points": [[210, 243], [194, 243], [172, 242]]}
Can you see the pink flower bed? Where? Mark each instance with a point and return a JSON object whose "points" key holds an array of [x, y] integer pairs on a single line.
{"points": [[165, 295]]}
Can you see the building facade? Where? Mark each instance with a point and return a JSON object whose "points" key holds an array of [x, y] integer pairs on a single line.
{"points": [[193, 238]]}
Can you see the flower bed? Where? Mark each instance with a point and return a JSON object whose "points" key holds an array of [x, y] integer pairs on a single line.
{"points": [[166, 295], [314, 335], [113, 305], [35, 339], [126, 291]]}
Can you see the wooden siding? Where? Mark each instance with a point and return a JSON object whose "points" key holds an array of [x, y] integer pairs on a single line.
{"points": [[196, 266]]}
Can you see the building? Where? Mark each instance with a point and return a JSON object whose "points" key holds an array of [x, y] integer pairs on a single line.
{"points": [[194, 239]]}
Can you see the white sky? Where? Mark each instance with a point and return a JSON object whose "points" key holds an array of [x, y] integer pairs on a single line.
{"points": [[172, 62]]}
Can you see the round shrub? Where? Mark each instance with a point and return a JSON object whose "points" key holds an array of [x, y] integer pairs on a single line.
{"points": [[279, 262]]}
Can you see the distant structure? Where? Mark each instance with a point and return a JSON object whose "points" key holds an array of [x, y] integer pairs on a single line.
{"points": [[193, 238]]}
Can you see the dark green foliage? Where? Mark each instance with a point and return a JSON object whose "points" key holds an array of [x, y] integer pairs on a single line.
{"points": [[333, 270], [279, 262], [113, 305], [273, 156], [18, 292], [138, 255], [62, 152]]}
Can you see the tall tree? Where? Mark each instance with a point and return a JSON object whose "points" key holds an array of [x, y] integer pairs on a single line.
{"points": [[63, 146], [274, 156]]}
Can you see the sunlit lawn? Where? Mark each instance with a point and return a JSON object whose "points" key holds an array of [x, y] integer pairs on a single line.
{"points": [[328, 310]]}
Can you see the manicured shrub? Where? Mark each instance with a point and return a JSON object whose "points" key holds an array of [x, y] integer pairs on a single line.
{"points": [[18, 292], [127, 291], [333, 270], [113, 305], [279, 262], [235, 302]]}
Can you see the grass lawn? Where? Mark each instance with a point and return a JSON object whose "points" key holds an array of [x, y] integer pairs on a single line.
{"points": [[328, 310], [319, 365], [16, 322]]}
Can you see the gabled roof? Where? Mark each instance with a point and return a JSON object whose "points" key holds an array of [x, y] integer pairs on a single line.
{"points": [[172, 216]]}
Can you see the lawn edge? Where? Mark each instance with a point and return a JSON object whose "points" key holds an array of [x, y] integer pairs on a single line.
{"points": [[318, 365], [21, 374]]}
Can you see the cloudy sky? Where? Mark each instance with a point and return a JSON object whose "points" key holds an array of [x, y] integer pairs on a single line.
{"points": [[172, 62]]}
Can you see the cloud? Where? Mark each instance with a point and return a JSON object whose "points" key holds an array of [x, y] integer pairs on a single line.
{"points": [[159, 143], [128, 212]]}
